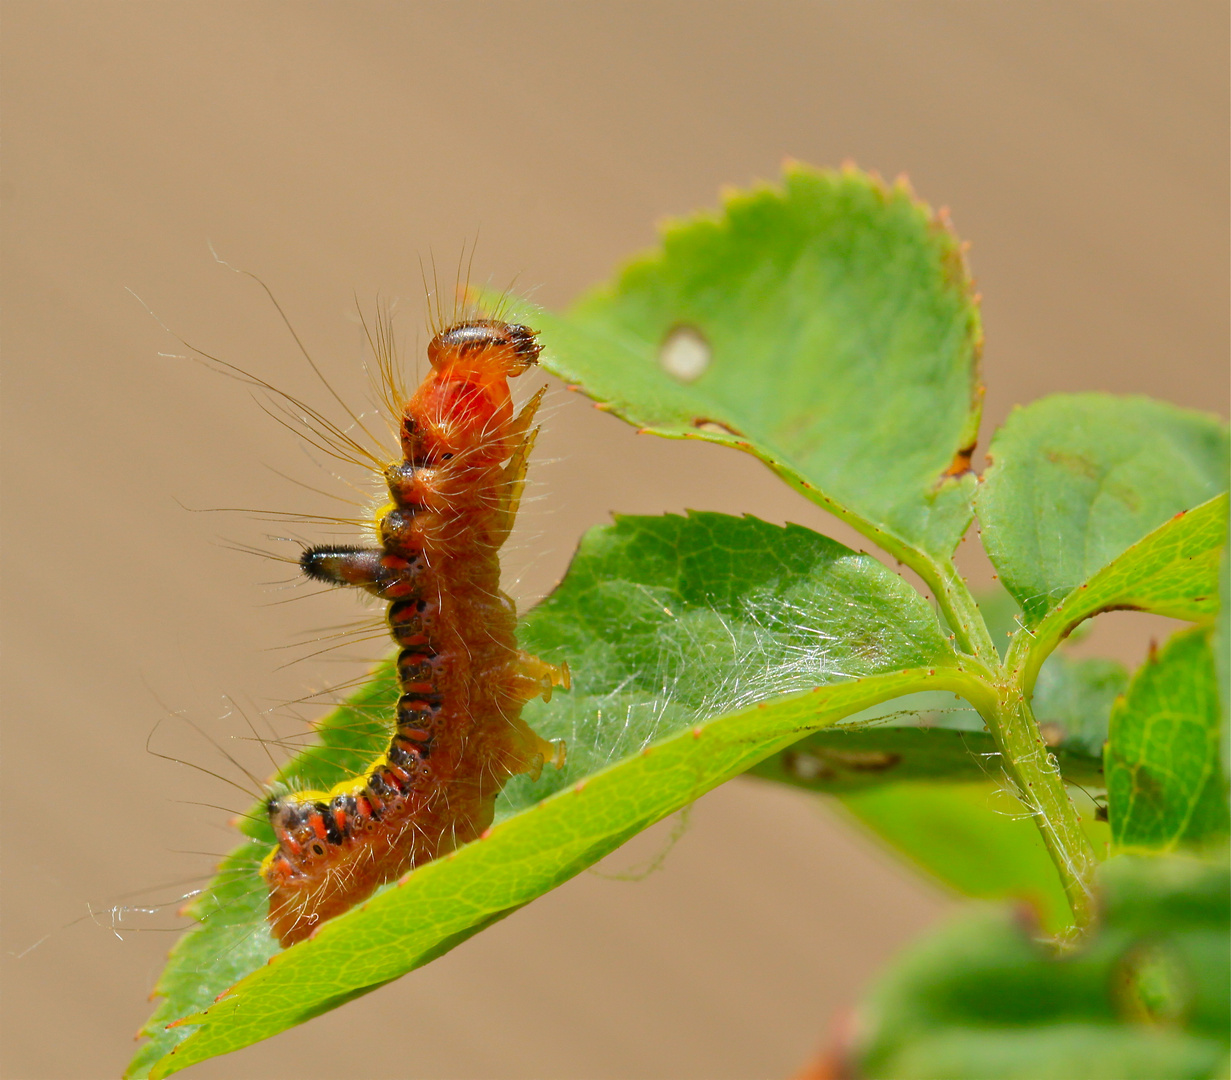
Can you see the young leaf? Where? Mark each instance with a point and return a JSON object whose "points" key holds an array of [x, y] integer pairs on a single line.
{"points": [[1144, 999], [1173, 571], [1165, 785], [1076, 479], [698, 645], [828, 327]]}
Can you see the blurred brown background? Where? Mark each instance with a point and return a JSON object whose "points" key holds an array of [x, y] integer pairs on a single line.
{"points": [[1082, 148]]}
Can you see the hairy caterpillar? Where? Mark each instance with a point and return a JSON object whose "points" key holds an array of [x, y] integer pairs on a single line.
{"points": [[459, 735]]}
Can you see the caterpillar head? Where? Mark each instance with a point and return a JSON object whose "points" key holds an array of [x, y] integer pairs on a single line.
{"points": [[488, 346]]}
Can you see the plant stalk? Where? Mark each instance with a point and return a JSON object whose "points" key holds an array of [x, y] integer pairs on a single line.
{"points": [[960, 611], [1002, 701], [1036, 775]]}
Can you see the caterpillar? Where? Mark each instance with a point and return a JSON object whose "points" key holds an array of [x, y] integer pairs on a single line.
{"points": [[458, 734]]}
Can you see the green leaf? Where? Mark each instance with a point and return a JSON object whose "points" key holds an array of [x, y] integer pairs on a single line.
{"points": [[1165, 785], [1075, 479], [1222, 656], [699, 646], [1173, 571], [828, 327], [1146, 998]]}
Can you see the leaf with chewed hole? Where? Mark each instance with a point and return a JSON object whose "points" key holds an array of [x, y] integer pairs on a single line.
{"points": [[699, 646], [827, 326], [1077, 479], [1165, 784]]}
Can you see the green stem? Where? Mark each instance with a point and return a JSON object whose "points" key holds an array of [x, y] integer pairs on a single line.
{"points": [[1002, 700], [1035, 774], [960, 610]]}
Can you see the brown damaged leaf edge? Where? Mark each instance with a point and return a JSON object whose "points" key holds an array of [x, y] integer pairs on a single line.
{"points": [[715, 427], [828, 764], [960, 465]]}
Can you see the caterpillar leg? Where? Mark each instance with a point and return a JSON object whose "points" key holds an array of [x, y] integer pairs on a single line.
{"points": [[523, 678], [513, 476], [553, 754], [538, 677], [521, 424]]}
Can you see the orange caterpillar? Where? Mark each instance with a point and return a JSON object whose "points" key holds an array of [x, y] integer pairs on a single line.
{"points": [[459, 733]]}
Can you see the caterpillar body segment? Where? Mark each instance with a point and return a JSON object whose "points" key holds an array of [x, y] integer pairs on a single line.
{"points": [[458, 734]]}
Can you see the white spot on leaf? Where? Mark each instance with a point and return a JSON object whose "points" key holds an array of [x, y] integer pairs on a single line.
{"points": [[685, 354]]}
